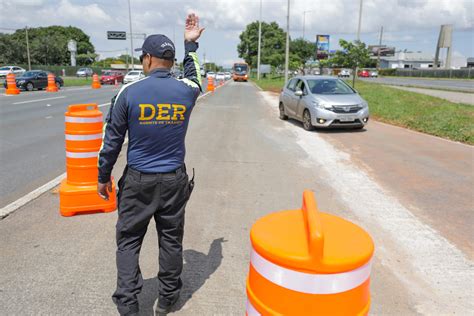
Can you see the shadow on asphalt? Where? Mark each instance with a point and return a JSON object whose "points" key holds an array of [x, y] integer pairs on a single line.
{"points": [[331, 130], [198, 267]]}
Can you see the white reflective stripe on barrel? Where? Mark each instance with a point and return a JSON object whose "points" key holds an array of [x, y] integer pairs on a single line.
{"points": [[90, 154], [251, 311], [73, 119], [307, 282], [83, 137]]}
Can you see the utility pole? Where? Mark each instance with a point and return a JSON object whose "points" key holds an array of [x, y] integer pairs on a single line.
{"points": [[357, 42], [259, 41], [304, 20], [360, 20], [287, 49], [28, 47], [126, 54], [380, 47], [131, 36]]}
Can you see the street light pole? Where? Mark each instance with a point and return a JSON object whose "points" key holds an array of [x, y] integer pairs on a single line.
{"points": [[28, 47], [380, 46], [360, 20], [259, 41], [131, 36], [287, 49], [304, 20]]}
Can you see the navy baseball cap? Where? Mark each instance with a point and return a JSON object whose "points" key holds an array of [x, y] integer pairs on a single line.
{"points": [[158, 45]]}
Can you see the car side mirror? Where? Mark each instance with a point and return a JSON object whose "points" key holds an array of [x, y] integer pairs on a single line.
{"points": [[299, 93]]}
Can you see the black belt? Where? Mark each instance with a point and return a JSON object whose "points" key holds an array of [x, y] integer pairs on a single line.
{"points": [[142, 175]]}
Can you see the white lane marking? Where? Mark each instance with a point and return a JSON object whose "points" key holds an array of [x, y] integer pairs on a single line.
{"points": [[429, 258], [12, 207], [48, 105], [103, 104], [48, 117], [38, 100]]}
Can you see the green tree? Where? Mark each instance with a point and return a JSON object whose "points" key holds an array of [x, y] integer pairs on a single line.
{"points": [[273, 44], [48, 45], [301, 51], [352, 55]]}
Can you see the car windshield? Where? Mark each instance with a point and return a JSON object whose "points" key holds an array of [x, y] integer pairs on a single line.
{"points": [[108, 73], [82, 69], [133, 73], [5, 68], [329, 86], [240, 68]]}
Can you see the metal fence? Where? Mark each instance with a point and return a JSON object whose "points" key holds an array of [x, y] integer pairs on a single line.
{"points": [[467, 73]]}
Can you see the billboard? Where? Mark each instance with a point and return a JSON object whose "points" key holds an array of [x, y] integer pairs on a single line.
{"points": [[384, 50], [322, 46]]}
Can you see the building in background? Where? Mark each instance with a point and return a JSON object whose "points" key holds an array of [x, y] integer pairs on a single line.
{"points": [[470, 62], [408, 60]]}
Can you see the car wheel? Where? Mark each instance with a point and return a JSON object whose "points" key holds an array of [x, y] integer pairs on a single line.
{"points": [[283, 116], [29, 86], [58, 85], [307, 121]]}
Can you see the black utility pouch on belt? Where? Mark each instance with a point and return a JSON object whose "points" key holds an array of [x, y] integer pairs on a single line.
{"points": [[191, 185]]}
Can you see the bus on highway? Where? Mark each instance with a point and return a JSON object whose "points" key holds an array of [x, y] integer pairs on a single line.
{"points": [[240, 71]]}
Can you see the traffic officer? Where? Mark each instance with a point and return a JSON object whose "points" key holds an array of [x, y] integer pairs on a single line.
{"points": [[155, 111]]}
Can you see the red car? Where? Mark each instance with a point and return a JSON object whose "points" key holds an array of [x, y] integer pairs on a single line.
{"points": [[109, 77], [364, 73]]}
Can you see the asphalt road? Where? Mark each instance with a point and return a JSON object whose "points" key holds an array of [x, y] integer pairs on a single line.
{"points": [[32, 135], [249, 163], [461, 85]]}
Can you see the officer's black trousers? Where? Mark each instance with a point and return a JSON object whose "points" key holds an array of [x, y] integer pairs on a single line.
{"points": [[141, 197]]}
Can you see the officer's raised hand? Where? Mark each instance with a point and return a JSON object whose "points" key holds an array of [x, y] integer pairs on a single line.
{"points": [[192, 30]]}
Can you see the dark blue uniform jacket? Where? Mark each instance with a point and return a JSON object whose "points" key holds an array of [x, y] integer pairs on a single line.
{"points": [[155, 111]]}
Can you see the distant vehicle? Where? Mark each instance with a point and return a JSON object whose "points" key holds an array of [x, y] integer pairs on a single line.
{"points": [[323, 101], [364, 74], [344, 73], [203, 72], [84, 72], [316, 71], [133, 75], [35, 79], [220, 76], [227, 75], [211, 74], [374, 74], [5, 70], [109, 77], [240, 71]]}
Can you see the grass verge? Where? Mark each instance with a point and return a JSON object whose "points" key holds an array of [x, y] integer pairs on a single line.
{"points": [[412, 110], [73, 81]]}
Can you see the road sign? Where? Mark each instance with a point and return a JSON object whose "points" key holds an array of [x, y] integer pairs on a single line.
{"points": [[116, 35]]}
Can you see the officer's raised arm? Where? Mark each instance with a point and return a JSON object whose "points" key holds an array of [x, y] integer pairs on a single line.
{"points": [[114, 135], [192, 32]]}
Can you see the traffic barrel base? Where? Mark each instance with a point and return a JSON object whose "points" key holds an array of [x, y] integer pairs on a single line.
{"points": [[81, 200], [305, 262]]}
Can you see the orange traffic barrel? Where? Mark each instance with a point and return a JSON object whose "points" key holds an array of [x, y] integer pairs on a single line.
{"points": [[83, 134], [210, 84], [95, 82], [11, 85], [51, 84], [305, 262]]}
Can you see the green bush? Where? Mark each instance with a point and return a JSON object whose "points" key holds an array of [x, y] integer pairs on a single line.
{"points": [[387, 72]]}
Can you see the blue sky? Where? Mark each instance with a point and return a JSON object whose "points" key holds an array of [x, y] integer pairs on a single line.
{"points": [[408, 24]]}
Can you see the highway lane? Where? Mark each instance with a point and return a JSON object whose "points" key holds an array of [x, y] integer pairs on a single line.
{"points": [[32, 136], [461, 85]]}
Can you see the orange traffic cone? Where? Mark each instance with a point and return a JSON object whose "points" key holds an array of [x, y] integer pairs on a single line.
{"points": [[11, 85], [210, 84], [78, 192], [95, 82], [51, 84], [304, 262]]}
